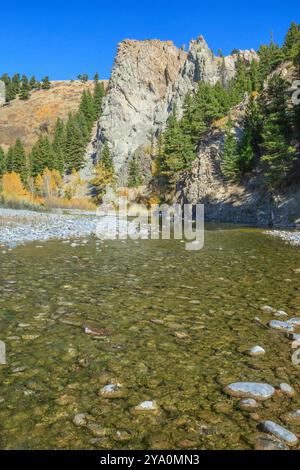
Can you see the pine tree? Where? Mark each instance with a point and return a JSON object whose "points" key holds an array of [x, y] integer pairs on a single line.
{"points": [[46, 85], [269, 58], [75, 146], [107, 158], [58, 144], [178, 151], [16, 160], [25, 89], [134, 177], [87, 108], [291, 44], [42, 156], [279, 157], [2, 162], [98, 96], [230, 155], [32, 82]]}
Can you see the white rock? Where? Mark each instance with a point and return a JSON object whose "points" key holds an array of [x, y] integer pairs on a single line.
{"points": [[110, 389], [267, 309], [248, 403], [280, 313], [148, 405], [287, 389], [294, 321], [281, 325], [293, 336], [257, 351], [280, 432], [258, 391]]}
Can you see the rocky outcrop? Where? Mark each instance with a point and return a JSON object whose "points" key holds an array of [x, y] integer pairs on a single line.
{"points": [[134, 105], [248, 202], [202, 65], [2, 93], [148, 79]]}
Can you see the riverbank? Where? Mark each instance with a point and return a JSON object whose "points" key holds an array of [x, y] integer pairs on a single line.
{"points": [[288, 236], [21, 226]]}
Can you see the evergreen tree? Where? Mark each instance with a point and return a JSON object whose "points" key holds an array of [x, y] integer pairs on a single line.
{"points": [[46, 85], [230, 155], [240, 84], [279, 157], [269, 58], [75, 146], [107, 158], [59, 142], [291, 44], [178, 151], [16, 160], [2, 162], [134, 178], [98, 96], [42, 156], [25, 89], [87, 108], [32, 82]]}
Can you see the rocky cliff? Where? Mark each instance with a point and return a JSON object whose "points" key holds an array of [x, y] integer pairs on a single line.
{"points": [[148, 79], [248, 202]]}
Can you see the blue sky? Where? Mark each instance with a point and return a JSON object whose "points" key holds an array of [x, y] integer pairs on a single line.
{"points": [[64, 38]]}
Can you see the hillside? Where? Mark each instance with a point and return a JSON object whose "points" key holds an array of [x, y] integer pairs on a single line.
{"points": [[27, 119]]}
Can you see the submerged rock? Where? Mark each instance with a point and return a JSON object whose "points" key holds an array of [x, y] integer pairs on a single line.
{"points": [[293, 336], [281, 325], [287, 389], [147, 406], [267, 443], [294, 321], [280, 313], [111, 390], [267, 309], [257, 351], [248, 404], [280, 432], [258, 391]]}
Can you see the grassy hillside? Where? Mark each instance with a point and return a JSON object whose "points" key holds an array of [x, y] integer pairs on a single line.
{"points": [[28, 119]]}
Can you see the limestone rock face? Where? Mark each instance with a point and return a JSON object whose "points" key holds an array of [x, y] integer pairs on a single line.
{"points": [[148, 79], [134, 105], [202, 65], [2, 93]]}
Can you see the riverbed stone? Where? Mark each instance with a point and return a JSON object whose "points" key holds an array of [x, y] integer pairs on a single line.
{"points": [[147, 406], [280, 313], [293, 336], [258, 391], [267, 309], [267, 443], [287, 389], [280, 432], [248, 404], [294, 321], [113, 390], [257, 351], [281, 325]]}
